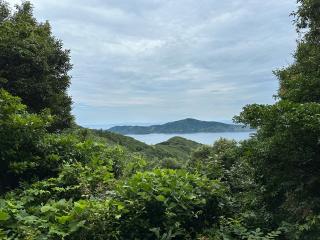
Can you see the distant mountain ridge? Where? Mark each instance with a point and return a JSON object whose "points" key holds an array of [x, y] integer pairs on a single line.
{"points": [[188, 125]]}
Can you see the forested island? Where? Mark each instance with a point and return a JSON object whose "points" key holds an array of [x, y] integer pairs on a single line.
{"points": [[187, 125], [59, 180]]}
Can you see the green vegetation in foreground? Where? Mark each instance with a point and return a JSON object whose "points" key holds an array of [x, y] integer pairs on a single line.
{"points": [[188, 125], [80, 184]]}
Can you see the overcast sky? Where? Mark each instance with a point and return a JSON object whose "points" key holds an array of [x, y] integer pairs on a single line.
{"points": [[162, 60]]}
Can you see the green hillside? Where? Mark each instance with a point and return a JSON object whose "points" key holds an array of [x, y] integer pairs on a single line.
{"points": [[176, 147], [179, 147]]}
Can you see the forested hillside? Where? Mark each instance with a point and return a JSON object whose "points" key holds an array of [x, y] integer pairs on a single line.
{"points": [[61, 181], [176, 147]]}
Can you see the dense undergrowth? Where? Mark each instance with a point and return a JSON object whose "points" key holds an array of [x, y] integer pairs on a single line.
{"points": [[77, 183]]}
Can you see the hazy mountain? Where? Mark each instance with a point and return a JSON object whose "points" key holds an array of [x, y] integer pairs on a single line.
{"points": [[188, 125]]}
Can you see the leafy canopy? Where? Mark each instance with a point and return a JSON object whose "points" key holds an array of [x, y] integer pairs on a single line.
{"points": [[33, 64]]}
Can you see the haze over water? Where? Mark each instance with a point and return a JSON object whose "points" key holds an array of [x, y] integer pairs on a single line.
{"points": [[204, 138]]}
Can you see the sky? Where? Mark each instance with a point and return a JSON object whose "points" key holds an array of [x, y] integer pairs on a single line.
{"points": [[153, 61]]}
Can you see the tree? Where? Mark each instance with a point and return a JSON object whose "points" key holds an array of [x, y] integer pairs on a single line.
{"points": [[285, 154], [33, 64], [300, 82], [20, 136]]}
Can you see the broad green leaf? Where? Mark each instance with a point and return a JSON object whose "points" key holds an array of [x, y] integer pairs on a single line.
{"points": [[80, 206], [64, 219], [120, 206], [4, 216], [161, 198], [47, 209]]}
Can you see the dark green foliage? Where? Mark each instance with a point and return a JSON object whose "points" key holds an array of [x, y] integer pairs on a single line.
{"points": [[308, 18], [188, 125], [170, 163], [285, 154], [286, 157], [28, 153], [225, 161], [20, 136], [33, 64], [168, 199], [234, 229], [146, 205], [300, 82], [213, 160]]}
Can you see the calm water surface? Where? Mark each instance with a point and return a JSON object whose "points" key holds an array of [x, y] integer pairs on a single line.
{"points": [[204, 138]]}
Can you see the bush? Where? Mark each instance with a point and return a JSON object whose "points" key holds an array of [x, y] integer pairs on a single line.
{"points": [[234, 229], [168, 200], [28, 153], [149, 204], [215, 161], [20, 136]]}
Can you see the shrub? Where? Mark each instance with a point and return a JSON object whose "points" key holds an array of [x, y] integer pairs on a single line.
{"points": [[168, 200], [20, 136]]}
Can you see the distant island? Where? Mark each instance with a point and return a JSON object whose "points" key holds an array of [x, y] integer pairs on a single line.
{"points": [[188, 125]]}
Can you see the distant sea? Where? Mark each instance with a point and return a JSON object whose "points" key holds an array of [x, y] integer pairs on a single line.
{"points": [[204, 138]]}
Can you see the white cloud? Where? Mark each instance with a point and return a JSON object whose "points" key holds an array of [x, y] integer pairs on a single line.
{"points": [[171, 59]]}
